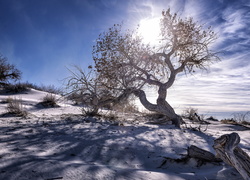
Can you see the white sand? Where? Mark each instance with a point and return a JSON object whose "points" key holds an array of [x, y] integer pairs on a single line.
{"points": [[59, 143]]}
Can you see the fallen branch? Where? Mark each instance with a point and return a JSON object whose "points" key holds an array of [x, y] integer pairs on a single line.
{"points": [[200, 155], [227, 149]]}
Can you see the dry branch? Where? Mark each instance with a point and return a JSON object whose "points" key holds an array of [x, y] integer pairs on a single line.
{"points": [[202, 154]]}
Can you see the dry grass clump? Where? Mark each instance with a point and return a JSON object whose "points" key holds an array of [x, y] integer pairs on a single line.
{"points": [[229, 121], [15, 107], [49, 101], [242, 118], [245, 123], [88, 111], [232, 121]]}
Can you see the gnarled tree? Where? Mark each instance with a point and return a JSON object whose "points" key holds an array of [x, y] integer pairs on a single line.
{"points": [[8, 72], [125, 62]]}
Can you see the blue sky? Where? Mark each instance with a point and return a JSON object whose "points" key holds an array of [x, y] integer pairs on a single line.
{"points": [[43, 37]]}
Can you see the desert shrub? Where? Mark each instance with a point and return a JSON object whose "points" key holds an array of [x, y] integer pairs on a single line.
{"points": [[127, 106], [87, 111], [245, 122], [76, 98], [228, 121], [16, 88], [23, 86], [50, 89], [15, 107], [49, 101], [241, 116], [192, 114]]}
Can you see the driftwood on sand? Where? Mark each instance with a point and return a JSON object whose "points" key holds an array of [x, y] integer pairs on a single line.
{"points": [[228, 150], [201, 154], [193, 152]]}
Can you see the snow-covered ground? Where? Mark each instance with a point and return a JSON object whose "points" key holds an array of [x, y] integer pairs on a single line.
{"points": [[60, 143]]}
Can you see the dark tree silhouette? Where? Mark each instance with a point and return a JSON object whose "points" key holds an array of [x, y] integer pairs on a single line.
{"points": [[8, 72]]}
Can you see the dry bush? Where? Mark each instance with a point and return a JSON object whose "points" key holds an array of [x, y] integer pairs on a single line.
{"points": [[24, 86], [15, 107], [49, 101], [50, 89], [242, 116], [88, 111], [245, 123], [127, 106], [239, 118], [228, 121], [192, 114], [16, 88]]}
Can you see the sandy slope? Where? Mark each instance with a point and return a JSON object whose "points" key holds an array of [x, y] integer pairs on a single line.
{"points": [[52, 143]]}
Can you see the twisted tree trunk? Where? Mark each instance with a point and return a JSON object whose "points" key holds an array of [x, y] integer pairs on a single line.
{"points": [[227, 150], [162, 107]]}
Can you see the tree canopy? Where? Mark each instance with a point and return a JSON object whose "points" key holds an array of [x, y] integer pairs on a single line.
{"points": [[8, 71], [124, 63]]}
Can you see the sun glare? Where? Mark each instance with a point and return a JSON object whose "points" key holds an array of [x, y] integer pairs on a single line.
{"points": [[149, 29]]}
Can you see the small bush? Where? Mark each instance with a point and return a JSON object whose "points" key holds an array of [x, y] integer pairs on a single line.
{"points": [[192, 114], [228, 121], [50, 89], [76, 98], [15, 107], [245, 123], [242, 116], [16, 88], [239, 118], [24, 86], [49, 101], [90, 111]]}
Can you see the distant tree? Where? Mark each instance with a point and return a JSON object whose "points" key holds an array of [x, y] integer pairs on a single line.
{"points": [[8, 72], [125, 63]]}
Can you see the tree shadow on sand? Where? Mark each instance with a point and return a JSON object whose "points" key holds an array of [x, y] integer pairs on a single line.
{"points": [[87, 149]]}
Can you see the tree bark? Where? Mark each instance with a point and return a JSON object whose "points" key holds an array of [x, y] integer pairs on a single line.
{"points": [[227, 149], [162, 107], [202, 154]]}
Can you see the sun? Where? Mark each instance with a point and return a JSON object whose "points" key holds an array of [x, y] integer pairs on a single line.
{"points": [[149, 29]]}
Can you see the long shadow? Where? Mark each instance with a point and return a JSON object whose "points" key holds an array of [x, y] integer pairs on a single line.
{"points": [[65, 149]]}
